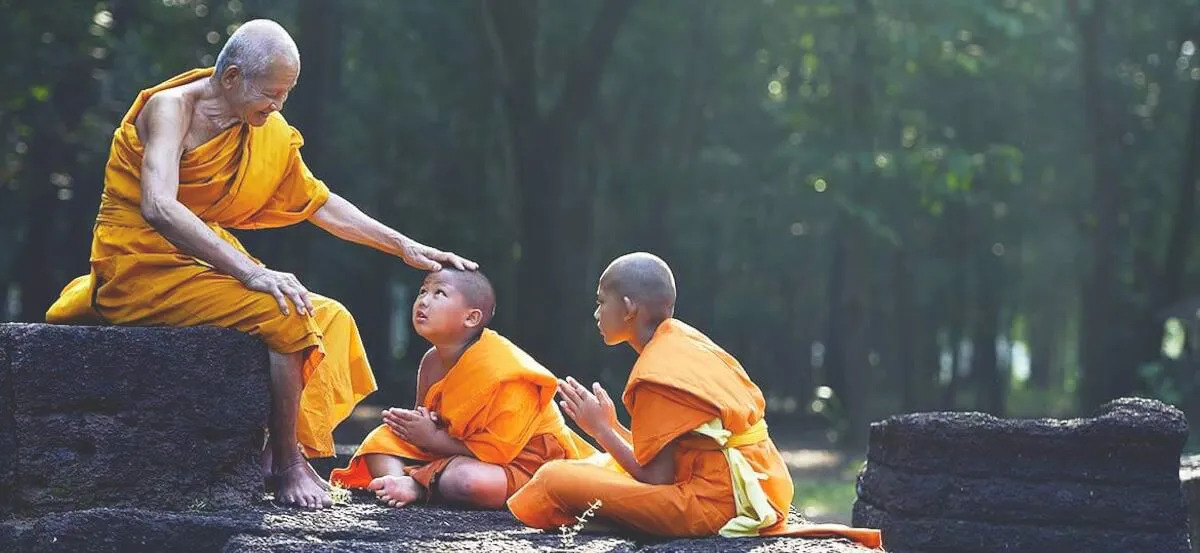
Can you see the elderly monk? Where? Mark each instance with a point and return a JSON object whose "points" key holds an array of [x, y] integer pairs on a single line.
{"points": [[698, 460], [206, 151]]}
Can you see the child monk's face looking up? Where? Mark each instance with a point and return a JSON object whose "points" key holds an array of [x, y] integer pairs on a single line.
{"points": [[441, 310]]}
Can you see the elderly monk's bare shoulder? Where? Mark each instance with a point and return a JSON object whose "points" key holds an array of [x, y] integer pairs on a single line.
{"points": [[176, 112]]}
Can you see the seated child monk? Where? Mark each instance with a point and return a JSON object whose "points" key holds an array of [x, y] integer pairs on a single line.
{"points": [[485, 417], [697, 460]]}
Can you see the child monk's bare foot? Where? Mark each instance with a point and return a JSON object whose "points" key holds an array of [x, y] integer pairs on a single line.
{"points": [[396, 491], [296, 487]]}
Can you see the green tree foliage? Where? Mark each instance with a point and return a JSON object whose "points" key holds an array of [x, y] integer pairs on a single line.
{"points": [[878, 205]]}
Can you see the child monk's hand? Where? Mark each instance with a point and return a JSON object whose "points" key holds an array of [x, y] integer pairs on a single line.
{"points": [[391, 418], [592, 409], [416, 427]]}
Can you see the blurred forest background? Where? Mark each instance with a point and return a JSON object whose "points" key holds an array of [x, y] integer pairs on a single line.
{"points": [[879, 206]]}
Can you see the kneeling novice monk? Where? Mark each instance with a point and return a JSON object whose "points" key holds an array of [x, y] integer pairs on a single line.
{"points": [[485, 417], [698, 460]]}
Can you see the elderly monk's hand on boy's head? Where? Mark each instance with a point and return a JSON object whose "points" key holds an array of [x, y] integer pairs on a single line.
{"points": [[420, 256], [592, 410], [417, 427]]}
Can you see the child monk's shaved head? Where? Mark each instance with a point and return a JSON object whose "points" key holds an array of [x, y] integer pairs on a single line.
{"points": [[476, 289], [645, 279]]}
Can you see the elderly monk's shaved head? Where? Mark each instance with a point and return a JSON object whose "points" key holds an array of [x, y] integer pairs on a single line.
{"points": [[645, 279], [257, 45], [475, 287]]}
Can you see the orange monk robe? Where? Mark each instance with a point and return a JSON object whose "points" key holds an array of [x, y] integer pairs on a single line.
{"points": [[244, 178], [499, 402], [682, 382]]}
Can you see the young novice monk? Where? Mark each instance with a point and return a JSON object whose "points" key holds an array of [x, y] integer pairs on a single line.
{"points": [[485, 417], [698, 460]]}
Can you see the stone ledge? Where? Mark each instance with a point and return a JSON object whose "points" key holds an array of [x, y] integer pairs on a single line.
{"points": [[969, 482], [1008, 501], [129, 417], [361, 525], [1130, 432]]}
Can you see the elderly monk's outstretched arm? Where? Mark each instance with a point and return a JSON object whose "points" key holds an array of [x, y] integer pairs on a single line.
{"points": [[163, 125], [342, 219], [594, 412]]}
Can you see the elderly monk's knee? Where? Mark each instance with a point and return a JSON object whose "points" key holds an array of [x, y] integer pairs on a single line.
{"points": [[328, 308], [474, 483]]}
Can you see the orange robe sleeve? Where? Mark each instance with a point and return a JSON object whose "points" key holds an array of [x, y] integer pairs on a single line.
{"points": [[510, 422], [659, 415], [298, 195]]}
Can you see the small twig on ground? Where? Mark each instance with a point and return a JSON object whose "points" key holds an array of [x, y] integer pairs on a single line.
{"points": [[569, 532]]}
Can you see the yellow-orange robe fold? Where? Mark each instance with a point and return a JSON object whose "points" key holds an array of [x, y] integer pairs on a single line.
{"points": [[499, 402], [681, 382], [244, 178]]}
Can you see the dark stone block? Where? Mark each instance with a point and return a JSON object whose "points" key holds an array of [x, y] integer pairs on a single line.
{"points": [[1130, 432], [969, 482], [166, 418], [8, 441], [1005, 500], [1189, 480]]}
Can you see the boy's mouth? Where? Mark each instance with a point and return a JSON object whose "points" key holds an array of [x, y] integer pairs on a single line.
{"points": [[421, 316]]}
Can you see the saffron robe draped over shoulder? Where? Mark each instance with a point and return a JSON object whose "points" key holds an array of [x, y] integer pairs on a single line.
{"points": [[244, 178], [729, 477], [499, 402]]}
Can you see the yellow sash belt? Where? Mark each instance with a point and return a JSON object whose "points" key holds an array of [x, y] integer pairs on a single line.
{"points": [[755, 434], [754, 510]]}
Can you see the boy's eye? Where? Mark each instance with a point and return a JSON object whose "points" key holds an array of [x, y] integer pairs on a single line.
{"points": [[441, 292]]}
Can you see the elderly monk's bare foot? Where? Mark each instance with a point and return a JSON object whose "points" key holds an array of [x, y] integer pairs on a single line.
{"points": [[312, 473], [296, 487], [396, 491], [265, 461]]}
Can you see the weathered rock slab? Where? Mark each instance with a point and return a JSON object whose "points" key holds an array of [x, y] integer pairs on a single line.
{"points": [[1129, 432], [1189, 479], [361, 526], [165, 418], [970, 482]]}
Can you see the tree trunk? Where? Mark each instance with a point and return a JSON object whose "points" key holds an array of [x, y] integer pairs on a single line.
{"points": [[1100, 342], [907, 330], [989, 377], [540, 146], [1041, 334], [956, 329], [50, 153]]}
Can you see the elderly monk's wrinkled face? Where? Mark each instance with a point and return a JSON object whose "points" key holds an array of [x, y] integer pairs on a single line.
{"points": [[612, 315], [441, 311], [255, 98]]}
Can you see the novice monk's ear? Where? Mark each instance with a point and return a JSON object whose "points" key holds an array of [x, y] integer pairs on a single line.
{"points": [[630, 307], [474, 318]]}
